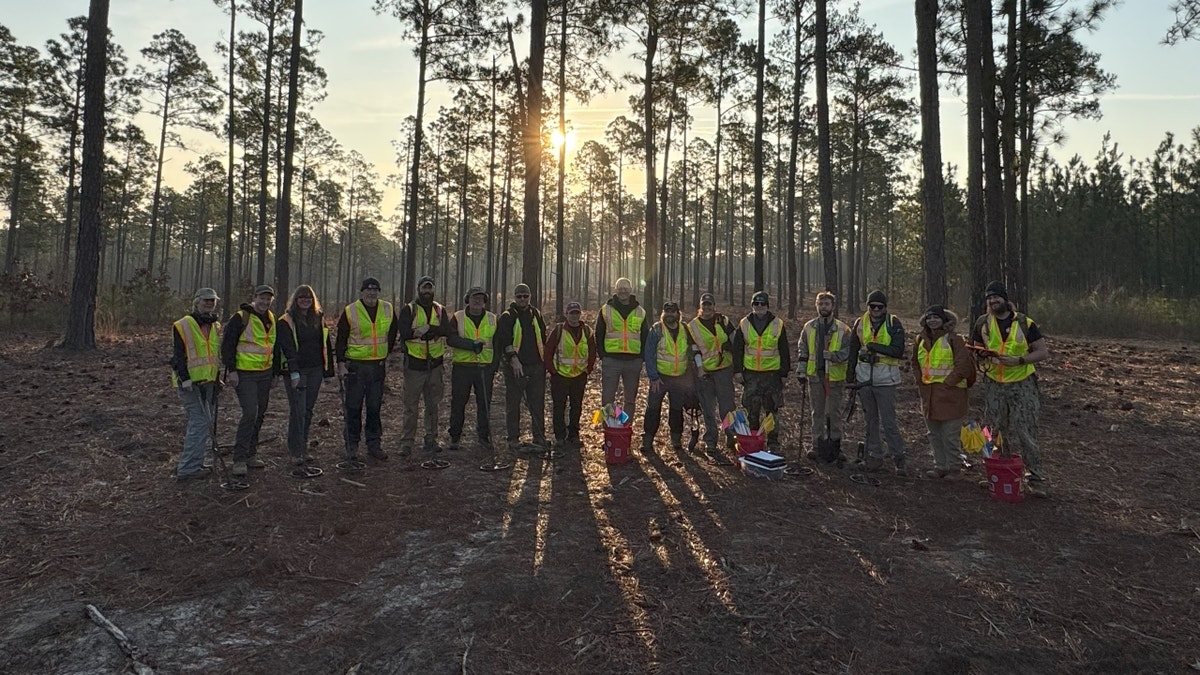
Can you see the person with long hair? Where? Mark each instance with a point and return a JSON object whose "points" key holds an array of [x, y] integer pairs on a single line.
{"points": [[307, 359]]}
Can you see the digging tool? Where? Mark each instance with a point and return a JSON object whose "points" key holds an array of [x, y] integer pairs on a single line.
{"points": [[795, 469], [209, 401], [351, 462]]}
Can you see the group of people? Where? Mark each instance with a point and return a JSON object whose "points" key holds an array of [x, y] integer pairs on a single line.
{"points": [[691, 364]]}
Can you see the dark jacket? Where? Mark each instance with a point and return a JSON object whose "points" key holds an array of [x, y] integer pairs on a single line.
{"points": [[307, 347], [343, 331], [529, 354], [623, 310], [739, 343], [459, 342], [942, 401], [179, 351], [233, 330], [404, 319]]}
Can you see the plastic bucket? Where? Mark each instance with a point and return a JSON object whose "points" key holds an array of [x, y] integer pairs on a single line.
{"points": [[748, 445], [616, 444], [1006, 478]]}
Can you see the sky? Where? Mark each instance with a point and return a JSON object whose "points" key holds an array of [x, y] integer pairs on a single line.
{"points": [[372, 86]]}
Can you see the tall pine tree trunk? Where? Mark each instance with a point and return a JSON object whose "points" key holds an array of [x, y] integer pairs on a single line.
{"points": [[824, 158], [531, 239], [284, 210], [935, 290]]}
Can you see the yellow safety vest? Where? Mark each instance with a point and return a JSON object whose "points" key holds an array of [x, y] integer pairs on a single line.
{"points": [[836, 372], [623, 335], [203, 351], [762, 351], [672, 353], [1014, 344], [426, 349], [712, 345], [937, 363], [287, 318], [571, 357], [256, 344], [883, 337], [368, 340], [467, 328], [537, 333]]}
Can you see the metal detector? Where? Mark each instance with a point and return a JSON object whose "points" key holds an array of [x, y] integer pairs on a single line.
{"points": [[210, 407], [497, 463], [349, 462], [796, 469]]}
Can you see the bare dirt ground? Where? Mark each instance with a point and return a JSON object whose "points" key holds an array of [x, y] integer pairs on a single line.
{"points": [[666, 565]]}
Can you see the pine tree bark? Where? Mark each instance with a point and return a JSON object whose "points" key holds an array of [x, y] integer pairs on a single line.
{"points": [[531, 240], [284, 210], [824, 153], [935, 290]]}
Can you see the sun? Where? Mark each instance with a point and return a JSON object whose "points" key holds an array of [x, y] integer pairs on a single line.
{"points": [[557, 140]]}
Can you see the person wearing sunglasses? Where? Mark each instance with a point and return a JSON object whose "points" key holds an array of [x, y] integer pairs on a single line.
{"points": [[714, 333], [761, 341], [876, 347], [424, 327], [823, 354], [521, 333]]}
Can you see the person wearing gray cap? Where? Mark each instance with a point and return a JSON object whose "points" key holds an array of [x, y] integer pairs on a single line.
{"points": [[471, 332], [569, 359], [248, 352], [366, 335], [522, 335], [876, 347], [671, 363], [195, 366], [424, 327], [714, 333], [761, 341]]}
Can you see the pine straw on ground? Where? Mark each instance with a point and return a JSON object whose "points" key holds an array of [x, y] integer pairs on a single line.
{"points": [[669, 564]]}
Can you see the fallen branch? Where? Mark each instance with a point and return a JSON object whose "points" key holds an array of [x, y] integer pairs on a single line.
{"points": [[15, 462], [1140, 634], [127, 647], [353, 482], [465, 652]]}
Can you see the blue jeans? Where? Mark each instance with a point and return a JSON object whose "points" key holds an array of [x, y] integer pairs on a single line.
{"points": [[300, 408], [195, 439]]}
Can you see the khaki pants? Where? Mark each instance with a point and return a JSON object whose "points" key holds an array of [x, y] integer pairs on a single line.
{"points": [[826, 407], [945, 440], [421, 385]]}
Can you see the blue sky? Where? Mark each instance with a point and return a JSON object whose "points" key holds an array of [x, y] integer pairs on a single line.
{"points": [[371, 70]]}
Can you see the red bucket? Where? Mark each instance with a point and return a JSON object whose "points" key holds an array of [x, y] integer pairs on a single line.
{"points": [[617, 441], [1006, 478], [748, 445]]}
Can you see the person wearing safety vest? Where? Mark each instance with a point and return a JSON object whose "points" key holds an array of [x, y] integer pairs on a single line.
{"points": [[424, 327], [1010, 393], [569, 358], [621, 328], [823, 352], [671, 363], [308, 359], [944, 370], [367, 332], [474, 356], [713, 334], [248, 352], [762, 362], [876, 347], [195, 366], [521, 336]]}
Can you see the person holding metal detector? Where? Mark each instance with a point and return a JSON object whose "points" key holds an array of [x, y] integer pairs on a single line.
{"points": [[248, 352], [762, 341], [569, 358], [876, 347], [424, 327], [1009, 343], [522, 334], [823, 354], [308, 359], [713, 333], [474, 357], [944, 370], [366, 335], [195, 367]]}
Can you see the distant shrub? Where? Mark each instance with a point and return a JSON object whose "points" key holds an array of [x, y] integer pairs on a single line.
{"points": [[26, 298], [1118, 314]]}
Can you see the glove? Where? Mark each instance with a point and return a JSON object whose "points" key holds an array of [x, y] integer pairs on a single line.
{"points": [[869, 357], [341, 369], [517, 368], [478, 346], [231, 378], [186, 385]]}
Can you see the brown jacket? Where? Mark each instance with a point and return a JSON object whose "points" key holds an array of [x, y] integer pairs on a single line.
{"points": [[943, 401]]}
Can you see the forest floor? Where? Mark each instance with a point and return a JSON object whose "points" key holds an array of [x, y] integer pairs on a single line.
{"points": [[668, 564]]}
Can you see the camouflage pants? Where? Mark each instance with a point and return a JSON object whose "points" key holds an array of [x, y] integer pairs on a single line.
{"points": [[761, 393], [1012, 409]]}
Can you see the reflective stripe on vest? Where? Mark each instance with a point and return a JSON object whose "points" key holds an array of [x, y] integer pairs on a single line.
{"points": [[836, 372], [883, 337], [287, 318], [672, 353], [256, 344], [368, 340], [426, 349], [203, 350], [467, 328], [623, 335], [762, 351], [537, 333], [937, 363], [712, 346], [1014, 344], [571, 357]]}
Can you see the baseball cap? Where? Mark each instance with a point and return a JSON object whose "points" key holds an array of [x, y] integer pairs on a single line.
{"points": [[206, 294], [425, 281], [574, 307], [264, 289], [708, 297], [761, 297], [369, 282], [477, 290], [671, 304], [521, 289]]}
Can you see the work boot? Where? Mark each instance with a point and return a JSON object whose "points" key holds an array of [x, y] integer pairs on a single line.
{"points": [[255, 463], [405, 451], [453, 444], [377, 453], [676, 441], [900, 469], [209, 460], [937, 474], [872, 464], [239, 468]]}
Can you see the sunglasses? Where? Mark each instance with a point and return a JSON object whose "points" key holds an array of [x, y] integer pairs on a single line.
{"points": [[521, 295], [876, 306]]}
